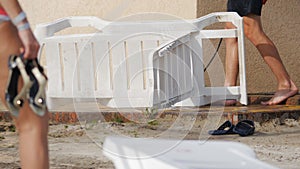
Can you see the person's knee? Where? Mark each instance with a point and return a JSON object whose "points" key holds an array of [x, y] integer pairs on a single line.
{"points": [[253, 29], [26, 128], [256, 37], [32, 123]]}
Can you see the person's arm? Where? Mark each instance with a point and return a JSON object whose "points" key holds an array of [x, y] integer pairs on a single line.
{"points": [[12, 7], [31, 46]]}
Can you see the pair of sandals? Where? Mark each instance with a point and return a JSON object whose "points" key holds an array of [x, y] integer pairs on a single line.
{"points": [[34, 83], [243, 128]]}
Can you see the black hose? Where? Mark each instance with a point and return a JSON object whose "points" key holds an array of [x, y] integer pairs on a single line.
{"points": [[220, 42]]}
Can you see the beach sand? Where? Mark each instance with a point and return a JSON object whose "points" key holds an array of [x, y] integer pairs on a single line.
{"points": [[78, 146]]}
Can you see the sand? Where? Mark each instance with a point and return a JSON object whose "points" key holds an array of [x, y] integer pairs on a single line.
{"points": [[78, 146]]}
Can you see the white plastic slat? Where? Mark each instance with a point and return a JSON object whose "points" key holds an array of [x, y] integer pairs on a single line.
{"points": [[149, 83], [197, 72], [168, 73], [55, 84], [187, 66], [69, 58], [102, 68], [161, 78], [174, 80], [232, 90], [242, 64], [85, 69], [134, 64], [119, 73], [181, 73], [180, 64], [228, 33], [198, 63], [148, 47], [175, 72]]}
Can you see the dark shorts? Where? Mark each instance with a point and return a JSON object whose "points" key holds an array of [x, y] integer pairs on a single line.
{"points": [[245, 7]]}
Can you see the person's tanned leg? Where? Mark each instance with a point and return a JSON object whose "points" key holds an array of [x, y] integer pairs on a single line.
{"points": [[232, 63], [32, 128], [254, 32]]}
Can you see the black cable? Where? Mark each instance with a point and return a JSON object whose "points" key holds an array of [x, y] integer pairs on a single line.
{"points": [[220, 42]]}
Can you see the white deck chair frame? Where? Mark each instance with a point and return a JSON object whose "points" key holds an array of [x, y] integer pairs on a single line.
{"points": [[134, 64]]}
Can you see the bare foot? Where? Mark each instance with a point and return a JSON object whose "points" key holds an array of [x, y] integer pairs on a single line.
{"points": [[282, 95], [230, 102]]}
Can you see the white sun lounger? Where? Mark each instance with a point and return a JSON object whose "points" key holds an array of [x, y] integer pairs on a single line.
{"points": [[134, 64], [143, 153]]}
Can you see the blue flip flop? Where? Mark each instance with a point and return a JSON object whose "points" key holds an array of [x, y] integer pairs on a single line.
{"points": [[244, 128], [226, 128]]}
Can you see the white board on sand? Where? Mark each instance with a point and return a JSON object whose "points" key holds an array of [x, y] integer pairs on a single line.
{"points": [[146, 153]]}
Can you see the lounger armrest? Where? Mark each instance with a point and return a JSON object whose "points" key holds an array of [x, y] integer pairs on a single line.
{"points": [[49, 29]]}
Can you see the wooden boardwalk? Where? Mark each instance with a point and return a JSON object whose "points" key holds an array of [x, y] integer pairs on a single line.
{"points": [[254, 111]]}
